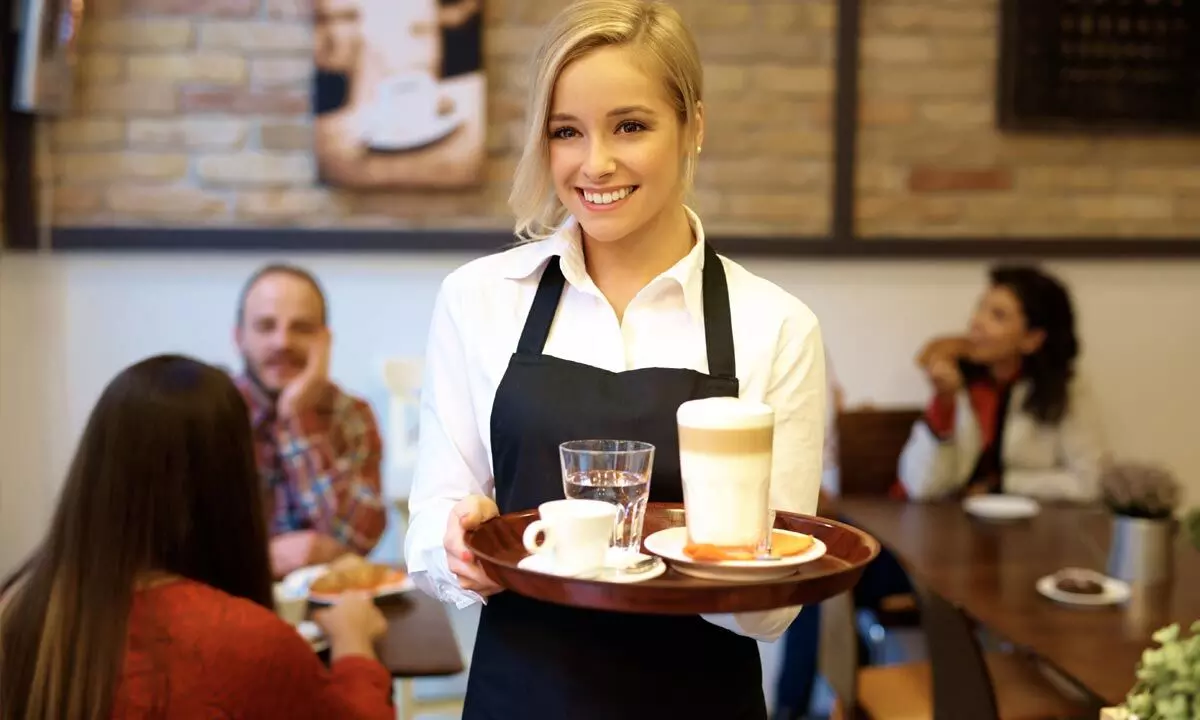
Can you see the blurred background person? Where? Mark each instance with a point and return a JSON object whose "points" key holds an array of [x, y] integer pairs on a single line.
{"points": [[1007, 413], [150, 594]]}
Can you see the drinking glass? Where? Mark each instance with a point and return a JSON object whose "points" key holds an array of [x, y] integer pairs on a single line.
{"points": [[615, 471]]}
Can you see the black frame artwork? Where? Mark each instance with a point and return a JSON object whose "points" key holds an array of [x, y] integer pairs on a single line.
{"points": [[841, 241], [1099, 66]]}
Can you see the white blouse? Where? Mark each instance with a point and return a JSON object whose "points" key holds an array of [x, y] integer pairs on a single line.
{"points": [[1060, 461], [477, 320]]}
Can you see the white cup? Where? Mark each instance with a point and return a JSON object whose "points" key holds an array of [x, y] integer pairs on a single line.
{"points": [[290, 608], [725, 452], [576, 533]]}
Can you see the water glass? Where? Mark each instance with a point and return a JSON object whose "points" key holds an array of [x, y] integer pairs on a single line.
{"points": [[617, 472]]}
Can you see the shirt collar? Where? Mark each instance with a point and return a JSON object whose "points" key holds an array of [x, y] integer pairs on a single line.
{"points": [[566, 243]]}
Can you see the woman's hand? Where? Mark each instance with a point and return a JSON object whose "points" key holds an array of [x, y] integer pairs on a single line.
{"points": [[941, 348], [352, 625], [468, 514], [945, 376]]}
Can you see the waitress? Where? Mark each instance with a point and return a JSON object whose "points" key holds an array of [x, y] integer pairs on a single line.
{"points": [[611, 314]]}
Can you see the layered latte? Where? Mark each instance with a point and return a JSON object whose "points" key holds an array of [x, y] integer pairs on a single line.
{"points": [[725, 458]]}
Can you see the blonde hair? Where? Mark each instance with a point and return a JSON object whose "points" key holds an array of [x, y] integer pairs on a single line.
{"points": [[581, 28]]}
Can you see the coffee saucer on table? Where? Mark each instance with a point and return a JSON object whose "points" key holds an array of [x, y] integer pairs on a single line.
{"points": [[611, 572], [1001, 508], [670, 544], [1083, 588]]}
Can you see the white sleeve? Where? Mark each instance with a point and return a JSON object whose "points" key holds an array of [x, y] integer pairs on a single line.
{"points": [[1082, 452], [452, 461], [928, 465], [798, 395]]}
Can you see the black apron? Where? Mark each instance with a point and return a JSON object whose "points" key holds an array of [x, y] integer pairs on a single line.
{"points": [[540, 661]]}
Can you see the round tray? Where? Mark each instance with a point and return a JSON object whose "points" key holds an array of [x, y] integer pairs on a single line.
{"points": [[498, 547]]}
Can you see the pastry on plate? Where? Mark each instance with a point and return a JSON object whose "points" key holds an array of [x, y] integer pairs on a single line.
{"points": [[782, 545], [349, 577]]}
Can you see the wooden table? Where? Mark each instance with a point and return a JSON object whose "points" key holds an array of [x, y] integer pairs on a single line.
{"points": [[989, 570], [420, 641]]}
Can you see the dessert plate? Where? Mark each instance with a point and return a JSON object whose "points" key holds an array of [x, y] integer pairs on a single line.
{"points": [[670, 544], [1108, 591]]}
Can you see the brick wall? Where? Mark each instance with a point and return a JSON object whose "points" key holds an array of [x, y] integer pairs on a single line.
{"points": [[195, 112], [931, 162]]}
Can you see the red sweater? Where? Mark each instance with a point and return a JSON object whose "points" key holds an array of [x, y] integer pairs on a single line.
{"points": [[207, 654], [985, 398]]}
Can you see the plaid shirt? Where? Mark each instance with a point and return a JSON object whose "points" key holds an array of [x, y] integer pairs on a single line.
{"points": [[322, 468]]}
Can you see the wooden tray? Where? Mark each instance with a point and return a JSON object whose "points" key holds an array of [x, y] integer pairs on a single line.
{"points": [[498, 547]]}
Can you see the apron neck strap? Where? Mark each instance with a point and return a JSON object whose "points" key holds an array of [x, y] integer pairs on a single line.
{"points": [[718, 327]]}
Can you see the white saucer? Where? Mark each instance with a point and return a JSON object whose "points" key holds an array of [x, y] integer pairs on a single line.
{"points": [[311, 632], [297, 582], [1115, 591], [1001, 507], [670, 543], [616, 559], [417, 136]]}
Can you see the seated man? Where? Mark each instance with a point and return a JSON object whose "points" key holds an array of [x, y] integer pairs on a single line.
{"points": [[318, 447]]}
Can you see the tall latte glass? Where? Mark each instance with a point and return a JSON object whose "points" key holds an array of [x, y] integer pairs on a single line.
{"points": [[725, 460]]}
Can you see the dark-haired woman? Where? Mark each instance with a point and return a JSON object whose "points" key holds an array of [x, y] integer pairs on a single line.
{"points": [[151, 594], [1007, 414]]}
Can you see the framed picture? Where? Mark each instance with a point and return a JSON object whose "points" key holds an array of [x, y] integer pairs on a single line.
{"points": [[399, 93]]}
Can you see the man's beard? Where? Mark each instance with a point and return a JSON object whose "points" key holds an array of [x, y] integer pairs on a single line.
{"points": [[248, 369]]}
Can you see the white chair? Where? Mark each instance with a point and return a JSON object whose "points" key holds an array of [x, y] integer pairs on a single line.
{"points": [[437, 697], [402, 376]]}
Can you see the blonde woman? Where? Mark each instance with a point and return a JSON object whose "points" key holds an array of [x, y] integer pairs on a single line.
{"points": [[612, 313]]}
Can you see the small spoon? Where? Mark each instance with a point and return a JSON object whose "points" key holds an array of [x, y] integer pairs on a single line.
{"points": [[641, 566]]}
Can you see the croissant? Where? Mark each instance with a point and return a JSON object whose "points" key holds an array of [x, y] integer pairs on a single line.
{"points": [[364, 576]]}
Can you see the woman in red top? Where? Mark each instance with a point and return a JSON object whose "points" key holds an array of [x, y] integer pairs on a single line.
{"points": [[151, 594]]}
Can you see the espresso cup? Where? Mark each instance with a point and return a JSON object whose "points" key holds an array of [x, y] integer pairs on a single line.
{"points": [[576, 534], [725, 451]]}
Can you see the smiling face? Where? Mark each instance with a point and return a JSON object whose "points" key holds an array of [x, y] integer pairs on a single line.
{"points": [[281, 320], [616, 143]]}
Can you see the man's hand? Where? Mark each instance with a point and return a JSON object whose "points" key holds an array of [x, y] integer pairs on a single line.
{"points": [[294, 550], [304, 392]]}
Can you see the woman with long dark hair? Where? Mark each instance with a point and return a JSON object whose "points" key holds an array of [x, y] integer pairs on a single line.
{"points": [[1007, 414], [151, 596]]}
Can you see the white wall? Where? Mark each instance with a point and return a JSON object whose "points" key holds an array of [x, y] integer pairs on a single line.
{"points": [[68, 323]]}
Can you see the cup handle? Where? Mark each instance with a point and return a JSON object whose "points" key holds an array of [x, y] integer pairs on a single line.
{"points": [[530, 537]]}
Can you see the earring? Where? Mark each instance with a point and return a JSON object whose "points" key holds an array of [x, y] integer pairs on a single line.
{"points": [[699, 149]]}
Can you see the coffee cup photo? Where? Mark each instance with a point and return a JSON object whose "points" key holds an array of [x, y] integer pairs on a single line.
{"points": [[408, 111], [575, 533]]}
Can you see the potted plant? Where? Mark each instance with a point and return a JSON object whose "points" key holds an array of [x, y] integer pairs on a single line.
{"points": [[1143, 499], [1192, 525], [1168, 680]]}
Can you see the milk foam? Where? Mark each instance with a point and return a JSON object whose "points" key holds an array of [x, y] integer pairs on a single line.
{"points": [[725, 413]]}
